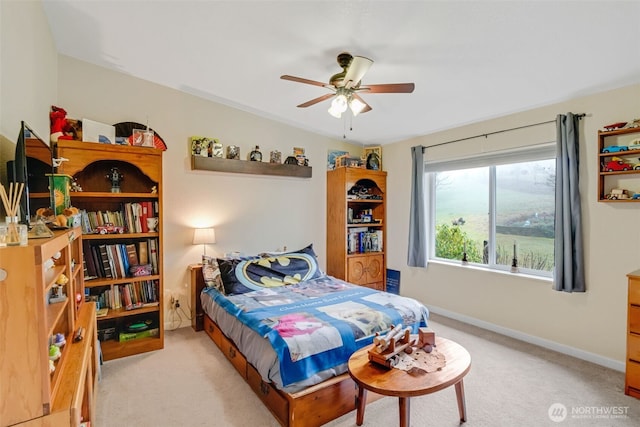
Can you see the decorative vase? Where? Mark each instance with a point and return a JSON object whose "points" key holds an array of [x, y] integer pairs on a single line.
{"points": [[16, 232]]}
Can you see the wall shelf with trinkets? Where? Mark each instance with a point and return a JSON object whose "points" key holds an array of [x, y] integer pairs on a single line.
{"points": [[218, 164]]}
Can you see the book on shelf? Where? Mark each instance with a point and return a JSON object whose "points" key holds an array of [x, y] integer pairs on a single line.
{"points": [[122, 251], [102, 312], [132, 254], [153, 255], [104, 260], [117, 266], [91, 270], [144, 214], [143, 253]]}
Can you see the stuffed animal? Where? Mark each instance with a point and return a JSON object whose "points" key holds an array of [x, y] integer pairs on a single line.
{"points": [[60, 127]]}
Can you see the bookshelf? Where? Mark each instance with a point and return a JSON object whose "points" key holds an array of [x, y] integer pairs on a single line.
{"points": [[31, 320], [124, 266], [356, 228]]}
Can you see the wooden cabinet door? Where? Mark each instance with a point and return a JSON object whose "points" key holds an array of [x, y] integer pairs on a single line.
{"points": [[375, 270], [366, 270], [357, 270]]}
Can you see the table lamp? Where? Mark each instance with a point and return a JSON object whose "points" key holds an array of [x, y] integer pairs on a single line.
{"points": [[204, 237]]}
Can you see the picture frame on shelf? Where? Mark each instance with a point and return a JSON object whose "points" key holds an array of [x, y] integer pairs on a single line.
{"points": [[201, 145], [102, 133], [142, 138], [332, 155], [373, 157]]}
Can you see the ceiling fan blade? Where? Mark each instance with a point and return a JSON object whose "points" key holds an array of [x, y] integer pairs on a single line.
{"points": [[301, 80], [367, 106], [316, 100], [388, 88], [357, 69]]}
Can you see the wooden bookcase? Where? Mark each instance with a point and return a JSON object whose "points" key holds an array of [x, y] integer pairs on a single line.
{"points": [[90, 165], [356, 202], [32, 395]]}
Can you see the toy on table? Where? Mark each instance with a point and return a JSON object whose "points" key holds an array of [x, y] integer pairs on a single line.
{"points": [[387, 348], [426, 339]]}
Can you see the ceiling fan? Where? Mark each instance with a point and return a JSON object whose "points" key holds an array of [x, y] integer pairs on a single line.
{"points": [[346, 85]]}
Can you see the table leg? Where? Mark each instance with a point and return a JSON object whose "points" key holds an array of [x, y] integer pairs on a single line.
{"points": [[404, 411], [462, 407], [360, 404]]}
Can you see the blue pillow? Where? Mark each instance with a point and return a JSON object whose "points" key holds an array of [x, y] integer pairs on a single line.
{"points": [[270, 270]]}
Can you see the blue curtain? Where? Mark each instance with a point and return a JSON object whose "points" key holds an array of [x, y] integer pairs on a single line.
{"points": [[417, 254], [569, 254]]}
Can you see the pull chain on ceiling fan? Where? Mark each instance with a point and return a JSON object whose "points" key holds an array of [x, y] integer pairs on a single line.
{"points": [[346, 84]]}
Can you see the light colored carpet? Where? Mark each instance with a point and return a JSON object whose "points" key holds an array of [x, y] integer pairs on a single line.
{"points": [[511, 383]]}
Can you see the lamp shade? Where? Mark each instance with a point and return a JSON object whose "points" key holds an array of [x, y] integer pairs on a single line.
{"points": [[204, 236]]}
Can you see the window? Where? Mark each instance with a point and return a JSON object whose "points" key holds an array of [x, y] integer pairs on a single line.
{"points": [[495, 208]]}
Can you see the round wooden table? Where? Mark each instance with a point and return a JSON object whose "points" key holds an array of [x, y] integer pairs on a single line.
{"points": [[395, 382]]}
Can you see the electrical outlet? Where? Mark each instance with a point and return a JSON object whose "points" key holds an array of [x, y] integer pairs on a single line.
{"points": [[176, 304]]}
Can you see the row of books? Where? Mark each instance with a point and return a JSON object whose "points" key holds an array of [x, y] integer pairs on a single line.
{"points": [[129, 295], [91, 220], [132, 216], [115, 261], [361, 240]]}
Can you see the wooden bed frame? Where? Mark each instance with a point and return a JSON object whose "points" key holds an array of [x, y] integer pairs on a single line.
{"points": [[311, 407]]}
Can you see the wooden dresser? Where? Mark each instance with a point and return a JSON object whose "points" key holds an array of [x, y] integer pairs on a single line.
{"points": [[632, 378]]}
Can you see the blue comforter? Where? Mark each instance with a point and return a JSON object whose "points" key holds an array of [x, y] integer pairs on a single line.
{"points": [[317, 324]]}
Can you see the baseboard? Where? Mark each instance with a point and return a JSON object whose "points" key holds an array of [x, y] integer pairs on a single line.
{"points": [[551, 345]]}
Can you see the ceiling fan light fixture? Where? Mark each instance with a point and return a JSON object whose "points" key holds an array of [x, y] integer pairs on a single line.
{"points": [[339, 103], [356, 106], [334, 112]]}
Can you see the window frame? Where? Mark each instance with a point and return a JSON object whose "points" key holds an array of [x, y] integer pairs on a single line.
{"points": [[545, 151]]}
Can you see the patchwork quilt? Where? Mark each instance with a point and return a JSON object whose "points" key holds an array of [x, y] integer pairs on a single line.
{"points": [[317, 324]]}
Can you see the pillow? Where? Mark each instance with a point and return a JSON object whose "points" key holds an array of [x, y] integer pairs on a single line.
{"points": [[211, 273], [270, 270]]}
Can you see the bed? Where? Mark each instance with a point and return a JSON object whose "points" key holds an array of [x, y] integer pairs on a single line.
{"points": [[289, 329]]}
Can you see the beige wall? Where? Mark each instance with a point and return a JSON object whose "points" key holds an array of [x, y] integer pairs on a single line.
{"points": [[592, 323], [28, 73], [251, 213]]}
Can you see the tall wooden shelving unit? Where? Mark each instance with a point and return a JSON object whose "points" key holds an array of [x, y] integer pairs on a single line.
{"points": [[350, 192], [90, 165], [31, 394]]}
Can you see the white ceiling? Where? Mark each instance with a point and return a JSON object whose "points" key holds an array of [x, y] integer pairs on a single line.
{"points": [[470, 61]]}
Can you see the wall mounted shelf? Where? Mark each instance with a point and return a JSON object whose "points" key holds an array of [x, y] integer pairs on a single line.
{"points": [[218, 164]]}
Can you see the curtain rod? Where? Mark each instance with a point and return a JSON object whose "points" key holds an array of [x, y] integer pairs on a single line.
{"points": [[579, 116]]}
